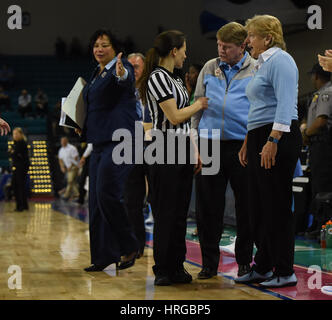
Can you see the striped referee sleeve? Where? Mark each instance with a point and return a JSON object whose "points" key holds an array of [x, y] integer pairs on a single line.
{"points": [[160, 87]]}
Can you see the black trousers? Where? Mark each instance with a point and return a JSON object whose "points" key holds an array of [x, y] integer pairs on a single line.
{"points": [[135, 191], [111, 234], [320, 161], [270, 200], [210, 205], [171, 191], [19, 179]]}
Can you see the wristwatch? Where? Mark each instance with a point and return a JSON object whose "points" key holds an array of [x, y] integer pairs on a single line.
{"points": [[271, 139]]}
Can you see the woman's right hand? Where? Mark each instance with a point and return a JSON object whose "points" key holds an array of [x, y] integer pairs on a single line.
{"points": [[243, 155], [203, 102]]}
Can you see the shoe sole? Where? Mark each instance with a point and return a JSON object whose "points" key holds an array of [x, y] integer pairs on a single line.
{"points": [[181, 282], [205, 278], [251, 281], [291, 284], [163, 284]]}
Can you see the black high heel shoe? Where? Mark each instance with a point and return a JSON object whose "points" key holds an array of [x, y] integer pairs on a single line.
{"points": [[129, 263], [96, 267]]}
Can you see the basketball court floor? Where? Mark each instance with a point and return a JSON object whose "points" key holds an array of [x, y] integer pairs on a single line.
{"points": [[49, 244]]}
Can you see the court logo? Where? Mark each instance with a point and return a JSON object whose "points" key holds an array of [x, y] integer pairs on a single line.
{"points": [[15, 280], [15, 20], [315, 281]]}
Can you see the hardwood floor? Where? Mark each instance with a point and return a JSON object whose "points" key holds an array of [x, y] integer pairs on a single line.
{"points": [[51, 249]]}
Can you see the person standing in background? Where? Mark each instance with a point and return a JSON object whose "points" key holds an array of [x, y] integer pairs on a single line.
{"points": [[135, 189], [20, 167], [191, 80], [223, 80], [271, 151], [84, 164], [317, 133], [68, 161]]}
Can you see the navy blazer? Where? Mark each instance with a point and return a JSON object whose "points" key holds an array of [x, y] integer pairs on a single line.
{"points": [[110, 105]]}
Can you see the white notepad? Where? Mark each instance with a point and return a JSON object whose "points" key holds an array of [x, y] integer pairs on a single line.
{"points": [[73, 106]]}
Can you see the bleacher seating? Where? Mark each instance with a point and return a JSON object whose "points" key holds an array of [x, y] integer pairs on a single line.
{"points": [[55, 77]]}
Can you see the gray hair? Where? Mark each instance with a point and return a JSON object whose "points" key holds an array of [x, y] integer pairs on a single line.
{"points": [[136, 54]]}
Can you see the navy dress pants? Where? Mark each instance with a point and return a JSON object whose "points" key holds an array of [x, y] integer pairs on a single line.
{"points": [[111, 234]]}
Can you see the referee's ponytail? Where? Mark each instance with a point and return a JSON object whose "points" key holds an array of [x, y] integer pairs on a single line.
{"points": [[163, 44]]}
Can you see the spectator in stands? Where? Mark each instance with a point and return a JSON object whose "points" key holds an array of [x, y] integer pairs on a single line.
{"points": [[20, 157], [191, 80], [60, 48], [68, 161], [24, 103], [7, 76], [41, 101], [4, 99]]}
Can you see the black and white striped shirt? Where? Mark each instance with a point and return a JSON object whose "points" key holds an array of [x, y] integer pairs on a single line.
{"points": [[162, 86]]}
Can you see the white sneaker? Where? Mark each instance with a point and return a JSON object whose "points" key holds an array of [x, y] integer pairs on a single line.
{"points": [[253, 277], [278, 282]]}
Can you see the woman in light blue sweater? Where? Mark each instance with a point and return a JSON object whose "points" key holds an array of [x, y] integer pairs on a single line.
{"points": [[271, 150]]}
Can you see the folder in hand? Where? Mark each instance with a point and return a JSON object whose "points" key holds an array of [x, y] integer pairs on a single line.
{"points": [[73, 110]]}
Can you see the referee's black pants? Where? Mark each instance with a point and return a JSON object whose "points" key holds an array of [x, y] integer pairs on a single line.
{"points": [[171, 186], [270, 200], [134, 194], [210, 205]]}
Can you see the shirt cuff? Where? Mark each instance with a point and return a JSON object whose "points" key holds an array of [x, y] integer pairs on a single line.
{"points": [[124, 77], [281, 127]]}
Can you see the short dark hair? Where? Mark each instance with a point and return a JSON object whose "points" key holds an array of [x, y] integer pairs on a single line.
{"points": [[320, 72], [114, 40]]}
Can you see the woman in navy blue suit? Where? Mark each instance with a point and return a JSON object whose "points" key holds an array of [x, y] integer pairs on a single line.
{"points": [[111, 105]]}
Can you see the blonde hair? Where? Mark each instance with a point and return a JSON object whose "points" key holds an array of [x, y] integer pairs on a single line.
{"points": [[20, 130], [232, 32], [265, 25]]}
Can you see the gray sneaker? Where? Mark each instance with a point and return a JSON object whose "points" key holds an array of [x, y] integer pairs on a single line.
{"points": [[278, 282], [253, 277]]}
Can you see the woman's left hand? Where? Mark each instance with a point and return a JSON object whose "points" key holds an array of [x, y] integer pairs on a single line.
{"points": [[268, 155], [119, 68]]}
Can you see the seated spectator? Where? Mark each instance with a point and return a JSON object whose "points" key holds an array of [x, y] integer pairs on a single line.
{"points": [[6, 77], [4, 99], [41, 101], [24, 103]]}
